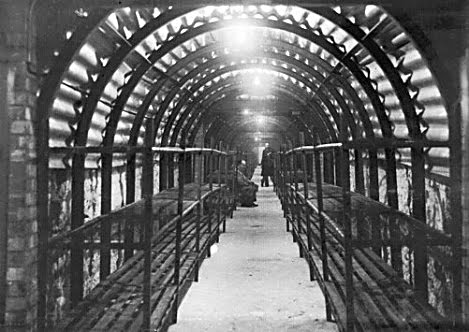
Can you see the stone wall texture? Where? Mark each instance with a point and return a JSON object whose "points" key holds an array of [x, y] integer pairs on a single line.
{"points": [[21, 87]]}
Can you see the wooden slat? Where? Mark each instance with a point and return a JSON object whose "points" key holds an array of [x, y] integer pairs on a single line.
{"points": [[115, 304], [383, 300]]}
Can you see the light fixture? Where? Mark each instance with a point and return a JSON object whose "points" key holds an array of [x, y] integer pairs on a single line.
{"points": [[260, 120], [240, 37]]}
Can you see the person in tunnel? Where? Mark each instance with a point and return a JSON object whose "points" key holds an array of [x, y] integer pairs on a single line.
{"points": [[246, 188], [267, 165]]}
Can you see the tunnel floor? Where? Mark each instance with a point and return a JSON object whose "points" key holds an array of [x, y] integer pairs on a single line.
{"points": [[255, 280]]}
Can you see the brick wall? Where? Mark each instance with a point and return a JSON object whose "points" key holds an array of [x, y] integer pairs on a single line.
{"points": [[18, 107], [22, 239]]}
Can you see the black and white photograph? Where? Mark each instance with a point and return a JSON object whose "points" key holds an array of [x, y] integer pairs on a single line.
{"points": [[234, 165]]}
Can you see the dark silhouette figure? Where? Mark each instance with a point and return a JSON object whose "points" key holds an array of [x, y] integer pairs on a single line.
{"points": [[246, 188], [267, 164]]}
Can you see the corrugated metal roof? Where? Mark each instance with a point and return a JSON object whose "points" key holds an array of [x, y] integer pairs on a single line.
{"points": [[280, 40]]}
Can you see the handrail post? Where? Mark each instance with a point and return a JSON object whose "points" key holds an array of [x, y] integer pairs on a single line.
{"points": [[281, 174], [374, 194], [322, 226], [225, 192], [210, 205], [284, 187], [288, 192], [42, 215], [147, 223], [347, 225], [233, 186], [297, 203], [418, 211], [277, 173], [179, 221], [306, 195], [199, 216], [105, 228], [129, 228], [295, 196], [219, 194], [235, 179]]}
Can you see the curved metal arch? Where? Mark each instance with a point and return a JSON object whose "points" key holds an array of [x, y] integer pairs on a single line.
{"points": [[319, 40], [240, 67], [199, 53], [447, 87], [327, 132], [391, 73], [219, 125], [299, 66], [213, 47], [178, 66], [286, 88], [322, 118], [105, 76], [233, 84], [44, 105], [54, 78]]}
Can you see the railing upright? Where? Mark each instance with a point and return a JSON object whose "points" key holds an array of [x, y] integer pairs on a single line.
{"points": [[306, 209], [179, 220], [347, 226], [296, 202], [306, 197], [322, 225], [219, 196], [233, 184], [226, 198], [199, 215], [285, 192], [210, 198], [147, 223]]}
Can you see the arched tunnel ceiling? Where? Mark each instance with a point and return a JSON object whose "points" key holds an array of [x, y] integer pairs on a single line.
{"points": [[190, 69]]}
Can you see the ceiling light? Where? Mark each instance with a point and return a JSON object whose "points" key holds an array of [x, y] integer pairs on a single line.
{"points": [[260, 120]]}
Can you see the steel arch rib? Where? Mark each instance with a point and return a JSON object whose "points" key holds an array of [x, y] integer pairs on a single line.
{"points": [[293, 63], [294, 94], [181, 64], [241, 67], [326, 129], [402, 93], [312, 37]]}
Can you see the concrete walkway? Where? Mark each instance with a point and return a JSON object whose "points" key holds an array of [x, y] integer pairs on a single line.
{"points": [[254, 280]]}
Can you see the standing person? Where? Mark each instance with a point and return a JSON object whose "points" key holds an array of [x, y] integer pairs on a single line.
{"points": [[267, 164]]}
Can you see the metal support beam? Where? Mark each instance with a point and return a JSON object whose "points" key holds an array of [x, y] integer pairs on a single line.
{"points": [[347, 226], [147, 224], [78, 206], [419, 212], [105, 231], [129, 228]]}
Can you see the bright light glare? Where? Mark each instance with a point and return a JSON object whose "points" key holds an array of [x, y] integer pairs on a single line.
{"points": [[246, 112], [260, 120], [257, 81], [214, 249], [240, 37], [256, 139]]}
